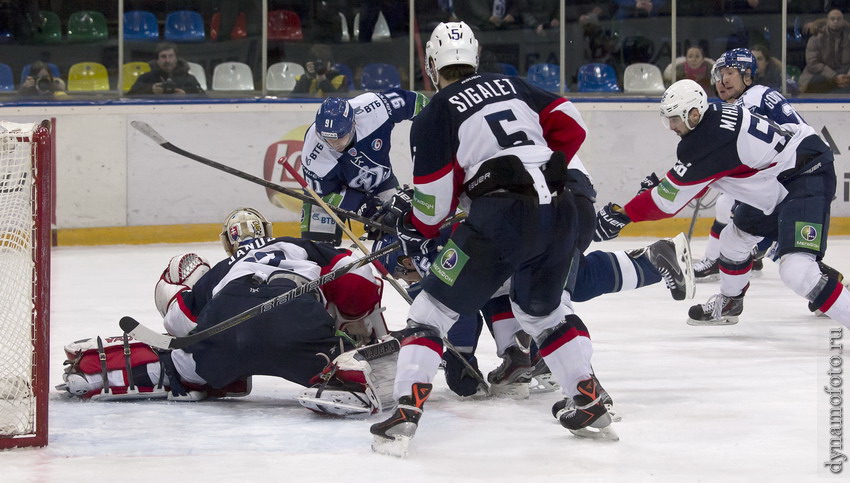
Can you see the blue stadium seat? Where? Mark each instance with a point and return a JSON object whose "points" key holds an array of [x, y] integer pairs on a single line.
{"points": [[597, 78], [140, 25], [377, 77], [7, 81], [508, 69], [54, 71], [184, 26], [346, 71], [545, 76]]}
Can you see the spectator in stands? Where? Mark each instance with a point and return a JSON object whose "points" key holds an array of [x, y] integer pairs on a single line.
{"points": [[319, 77], [769, 71], [169, 75], [828, 57], [488, 14], [539, 15], [41, 83], [639, 8], [694, 66]]}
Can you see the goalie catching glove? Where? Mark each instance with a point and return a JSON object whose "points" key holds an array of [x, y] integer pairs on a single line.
{"points": [[182, 272], [609, 221]]}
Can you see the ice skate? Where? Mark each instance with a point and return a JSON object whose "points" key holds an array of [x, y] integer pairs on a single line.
{"points": [[511, 378], [672, 259], [706, 270], [541, 378], [719, 310], [392, 437], [585, 415], [335, 401], [604, 397]]}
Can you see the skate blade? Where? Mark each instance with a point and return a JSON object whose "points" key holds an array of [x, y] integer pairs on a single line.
{"points": [[683, 256], [517, 390], [397, 446], [543, 384], [600, 429], [708, 278], [332, 408], [614, 416], [729, 320]]}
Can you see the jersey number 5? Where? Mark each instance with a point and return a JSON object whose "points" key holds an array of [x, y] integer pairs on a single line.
{"points": [[504, 139]]}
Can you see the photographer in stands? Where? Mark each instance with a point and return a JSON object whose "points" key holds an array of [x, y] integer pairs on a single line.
{"points": [[168, 75], [320, 78], [41, 83]]}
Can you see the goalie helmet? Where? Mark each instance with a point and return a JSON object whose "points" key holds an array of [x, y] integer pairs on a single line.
{"points": [[741, 59], [335, 118], [452, 43], [680, 98], [241, 225]]}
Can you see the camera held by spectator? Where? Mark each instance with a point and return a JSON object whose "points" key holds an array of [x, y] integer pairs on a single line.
{"points": [[169, 86]]}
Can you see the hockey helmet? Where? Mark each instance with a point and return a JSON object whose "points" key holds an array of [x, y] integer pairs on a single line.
{"points": [[452, 43], [242, 225], [680, 98], [335, 118], [741, 59]]}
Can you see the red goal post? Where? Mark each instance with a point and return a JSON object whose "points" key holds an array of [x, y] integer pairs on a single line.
{"points": [[26, 215]]}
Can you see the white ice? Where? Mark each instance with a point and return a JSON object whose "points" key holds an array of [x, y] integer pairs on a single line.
{"points": [[698, 403]]}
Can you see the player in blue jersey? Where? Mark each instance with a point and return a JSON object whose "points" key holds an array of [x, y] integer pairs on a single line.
{"points": [[784, 180], [346, 155], [483, 143]]}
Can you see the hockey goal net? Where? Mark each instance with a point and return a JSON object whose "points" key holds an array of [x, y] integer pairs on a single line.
{"points": [[25, 240]]}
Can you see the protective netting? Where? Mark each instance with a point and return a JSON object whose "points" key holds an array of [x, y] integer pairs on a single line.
{"points": [[17, 401]]}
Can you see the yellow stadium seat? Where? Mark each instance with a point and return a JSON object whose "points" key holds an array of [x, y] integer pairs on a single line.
{"points": [[132, 71], [88, 76]]}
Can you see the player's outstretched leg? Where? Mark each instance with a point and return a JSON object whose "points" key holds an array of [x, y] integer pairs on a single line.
{"points": [[586, 416], [672, 258], [392, 437], [719, 310]]}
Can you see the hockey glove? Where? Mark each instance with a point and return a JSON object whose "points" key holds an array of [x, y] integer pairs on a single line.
{"points": [[460, 381], [609, 221], [396, 207], [651, 181], [370, 208], [413, 243]]}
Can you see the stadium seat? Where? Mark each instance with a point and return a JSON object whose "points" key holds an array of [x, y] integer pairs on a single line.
{"points": [[642, 78], [377, 77], [232, 76], [48, 28], [184, 26], [381, 33], [282, 76], [131, 72], [508, 69], [140, 25], [239, 30], [545, 76], [345, 70], [7, 81], [198, 71], [54, 71], [284, 25], [597, 78], [87, 26], [88, 76], [345, 36]]}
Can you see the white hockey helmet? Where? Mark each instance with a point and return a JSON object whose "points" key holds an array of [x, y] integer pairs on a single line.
{"points": [[680, 98], [241, 225], [452, 43]]}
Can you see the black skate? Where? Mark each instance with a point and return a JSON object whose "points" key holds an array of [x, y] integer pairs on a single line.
{"points": [[719, 310], [392, 437], [585, 415], [511, 378], [604, 397], [541, 378], [672, 259], [706, 270]]}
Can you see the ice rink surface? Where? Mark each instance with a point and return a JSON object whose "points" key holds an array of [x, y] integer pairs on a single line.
{"points": [[734, 403]]}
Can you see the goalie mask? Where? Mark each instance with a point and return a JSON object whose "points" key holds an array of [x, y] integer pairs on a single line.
{"points": [[679, 99], [452, 43], [241, 225]]}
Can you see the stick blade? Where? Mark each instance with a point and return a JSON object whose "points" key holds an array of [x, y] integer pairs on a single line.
{"points": [[143, 334], [148, 131]]}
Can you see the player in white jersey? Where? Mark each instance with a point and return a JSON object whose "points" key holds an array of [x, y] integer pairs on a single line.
{"points": [[482, 143], [784, 180], [346, 155]]}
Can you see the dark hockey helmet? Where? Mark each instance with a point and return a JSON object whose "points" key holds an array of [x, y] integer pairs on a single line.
{"points": [[335, 118], [741, 59], [392, 260], [241, 225]]}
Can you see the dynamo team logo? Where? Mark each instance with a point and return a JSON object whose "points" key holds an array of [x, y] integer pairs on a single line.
{"points": [[808, 232], [449, 259], [377, 144]]}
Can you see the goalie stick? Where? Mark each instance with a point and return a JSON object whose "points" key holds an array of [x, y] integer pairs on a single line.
{"points": [[150, 132], [144, 334]]}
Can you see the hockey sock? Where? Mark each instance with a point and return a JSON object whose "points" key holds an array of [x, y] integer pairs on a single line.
{"points": [[837, 305], [608, 272], [712, 249], [734, 276], [567, 350]]}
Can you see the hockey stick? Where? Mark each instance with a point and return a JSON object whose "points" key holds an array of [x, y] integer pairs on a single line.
{"points": [[694, 219], [384, 273], [150, 132], [155, 339]]}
